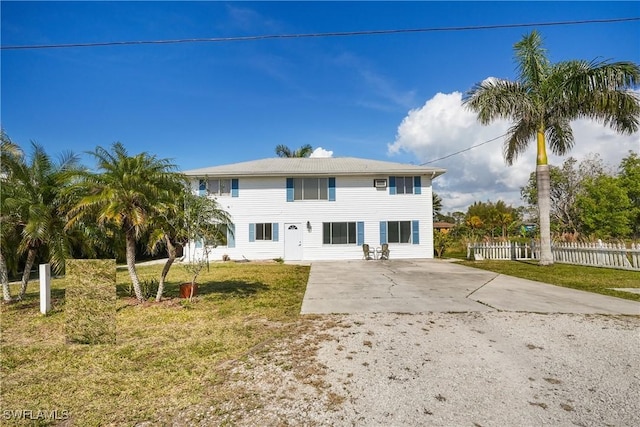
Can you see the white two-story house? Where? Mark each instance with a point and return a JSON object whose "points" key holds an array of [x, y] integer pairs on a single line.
{"points": [[320, 208]]}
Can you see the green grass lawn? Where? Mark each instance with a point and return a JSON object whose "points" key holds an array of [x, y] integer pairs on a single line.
{"points": [[592, 279], [167, 355]]}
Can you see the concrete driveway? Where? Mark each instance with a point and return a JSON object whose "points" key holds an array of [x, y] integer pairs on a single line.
{"points": [[417, 286]]}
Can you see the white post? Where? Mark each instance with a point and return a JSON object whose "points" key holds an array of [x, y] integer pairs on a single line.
{"points": [[45, 288]]}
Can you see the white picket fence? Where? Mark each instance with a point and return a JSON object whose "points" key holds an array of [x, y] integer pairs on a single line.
{"points": [[609, 255], [598, 254], [501, 250]]}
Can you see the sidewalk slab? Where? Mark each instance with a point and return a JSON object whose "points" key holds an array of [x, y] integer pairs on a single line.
{"points": [[509, 293]]}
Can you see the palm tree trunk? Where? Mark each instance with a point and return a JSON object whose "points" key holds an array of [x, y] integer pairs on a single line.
{"points": [[171, 251], [543, 179], [31, 257], [4, 278], [131, 264]]}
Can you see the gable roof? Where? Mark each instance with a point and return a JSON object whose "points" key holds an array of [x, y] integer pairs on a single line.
{"points": [[315, 166]]}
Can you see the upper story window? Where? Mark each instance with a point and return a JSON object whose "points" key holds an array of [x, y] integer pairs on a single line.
{"points": [[218, 187], [405, 185], [311, 189]]}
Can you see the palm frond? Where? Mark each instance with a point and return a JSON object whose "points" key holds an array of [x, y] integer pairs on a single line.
{"points": [[559, 135], [518, 138], [498, 99], [531, 59]]}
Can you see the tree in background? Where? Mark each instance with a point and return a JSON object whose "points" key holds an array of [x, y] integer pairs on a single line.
{"points": [[604, 208], [630, 181], [492, 218], [284, 151], [127, 192], [566, 184], [437, 207], [579, 207], [544, 100]]}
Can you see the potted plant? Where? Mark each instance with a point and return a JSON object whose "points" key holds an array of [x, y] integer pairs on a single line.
{"points": [[194, 267], [189, 289]]}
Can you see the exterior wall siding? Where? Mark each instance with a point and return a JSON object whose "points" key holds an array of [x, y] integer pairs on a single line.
{"points": [[264, 200]]}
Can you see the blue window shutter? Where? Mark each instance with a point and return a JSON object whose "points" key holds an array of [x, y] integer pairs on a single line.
{"points": [[198, 243], [234, 187], [231, 236], [415, 229], [289, 189], [332, 189], [202, 187], [252, 232], [274, 231], [383, 232], [360, 233], [392, 185], [417, 185]]}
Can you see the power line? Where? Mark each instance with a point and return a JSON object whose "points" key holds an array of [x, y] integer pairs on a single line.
{"points": [[462, 151], [311, 35]]}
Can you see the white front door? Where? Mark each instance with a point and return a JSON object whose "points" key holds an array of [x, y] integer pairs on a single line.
{"points": [[293, 242]]}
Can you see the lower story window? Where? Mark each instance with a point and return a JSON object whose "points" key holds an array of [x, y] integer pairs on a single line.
{"points": [[264, 231], [399, 232], [338, 233]]}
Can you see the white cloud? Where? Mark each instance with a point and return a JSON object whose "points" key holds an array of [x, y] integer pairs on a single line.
{"points": [[321, 152], [442, 126]]}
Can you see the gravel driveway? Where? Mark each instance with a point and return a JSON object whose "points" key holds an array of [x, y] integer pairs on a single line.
{"points": [[439, 369]]}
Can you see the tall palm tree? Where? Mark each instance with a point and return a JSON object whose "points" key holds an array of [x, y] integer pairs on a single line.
{"points": [[128, 192], [543, 102], [195, 217], [284, 151], [34, 204]]}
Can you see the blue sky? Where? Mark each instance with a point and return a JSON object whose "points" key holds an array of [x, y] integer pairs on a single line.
{"points": [[386, 97]]}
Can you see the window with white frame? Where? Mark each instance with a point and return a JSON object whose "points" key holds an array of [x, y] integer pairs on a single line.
{"points": [[404, 185], [339, 233], [399, 232], [310, 189], [264, 231], [219, 187]]}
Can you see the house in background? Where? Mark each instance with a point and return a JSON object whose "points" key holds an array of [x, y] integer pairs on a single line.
{"points": [[319, 208]]}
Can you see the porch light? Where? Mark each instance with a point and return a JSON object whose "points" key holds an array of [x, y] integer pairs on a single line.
{"points": [[308, 226]]}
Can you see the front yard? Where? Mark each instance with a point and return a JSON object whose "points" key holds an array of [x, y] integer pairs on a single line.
{"points": [[167, 357], [176, 355]]}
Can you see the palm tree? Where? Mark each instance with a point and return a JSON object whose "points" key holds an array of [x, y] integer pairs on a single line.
{"points": [[437, 205], [128, 192], [284, 151], [35, 208], [196, 217], [10, 154], [543, 102]]}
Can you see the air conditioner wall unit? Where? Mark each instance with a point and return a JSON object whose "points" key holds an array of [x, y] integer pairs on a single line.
{"points": [[380, 183]]}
